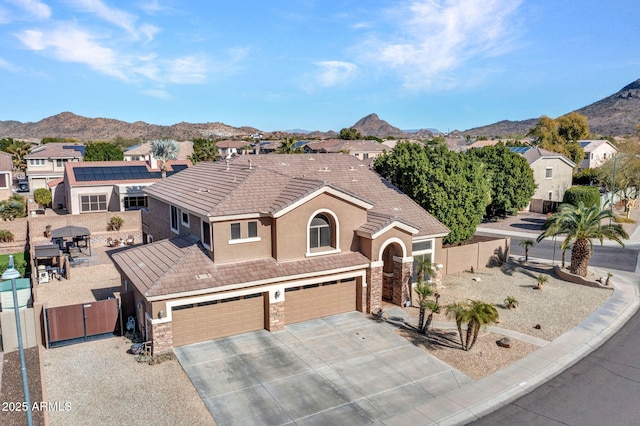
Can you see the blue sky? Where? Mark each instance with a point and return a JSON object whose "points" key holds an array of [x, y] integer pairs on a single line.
{"points": [[314, 64]]}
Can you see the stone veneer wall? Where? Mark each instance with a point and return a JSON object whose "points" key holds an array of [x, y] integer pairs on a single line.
{"points": [[402, 273], [162, 338], [374, 282], [276, 316]]}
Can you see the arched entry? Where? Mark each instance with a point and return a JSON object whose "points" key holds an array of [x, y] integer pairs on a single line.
{"points": [[396, 272]]}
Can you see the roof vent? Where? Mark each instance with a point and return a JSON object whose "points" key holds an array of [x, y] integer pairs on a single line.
{"points": [[203, 276], [227, 163], [250, 164]]}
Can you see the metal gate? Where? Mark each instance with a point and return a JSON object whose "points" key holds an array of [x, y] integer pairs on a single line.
{"points": [[78, 323]]}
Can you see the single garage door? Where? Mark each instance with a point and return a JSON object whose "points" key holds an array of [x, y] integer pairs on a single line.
{"points": [[219, 318], [319, 300]]}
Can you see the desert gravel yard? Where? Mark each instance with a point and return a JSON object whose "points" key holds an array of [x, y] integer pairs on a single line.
{"points": [[106, 386]]}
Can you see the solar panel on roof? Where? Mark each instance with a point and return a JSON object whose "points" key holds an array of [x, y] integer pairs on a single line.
{"points": [[79, 148], [519, 149], [584, 143]]}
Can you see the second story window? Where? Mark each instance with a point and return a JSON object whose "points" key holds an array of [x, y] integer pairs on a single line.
{"points": [[36, 162], [252, 229], [320, 232], [549, 173], [206, 234], [235, 231], [60, 162], [174, 218]]}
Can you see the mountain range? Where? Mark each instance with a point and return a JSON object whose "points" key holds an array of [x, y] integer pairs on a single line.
{"points": [[615, 115]]}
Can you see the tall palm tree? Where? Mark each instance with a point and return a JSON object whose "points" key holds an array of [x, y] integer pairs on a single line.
{"points": [[476, 314], [580, 225], [164, 150], [526, 244], [19, 149]]}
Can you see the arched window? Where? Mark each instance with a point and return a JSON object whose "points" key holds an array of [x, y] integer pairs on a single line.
{"points": [[320, 232]]}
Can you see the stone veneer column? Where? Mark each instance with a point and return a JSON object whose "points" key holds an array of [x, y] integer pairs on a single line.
{"points": [[161, 337], [402, 272], [374, 286], [276, 316]]}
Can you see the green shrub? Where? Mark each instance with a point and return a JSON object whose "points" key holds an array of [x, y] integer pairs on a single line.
{"points": [[115, 223], [588, 195], [14, 207], [6, 236], [42, 196]]}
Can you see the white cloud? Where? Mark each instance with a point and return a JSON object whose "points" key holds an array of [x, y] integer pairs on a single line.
{"points": [[71, 44], [157, 93], [8, 66], [117, 17], [333, 73], [34, 8], [437, 37], [187, 70]]}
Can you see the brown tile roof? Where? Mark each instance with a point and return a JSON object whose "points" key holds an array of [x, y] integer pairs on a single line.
{"points": [[534, 154], [181, 265], [55, 150], [377, 222], [221, 188], [185, 150], [6, 161]]}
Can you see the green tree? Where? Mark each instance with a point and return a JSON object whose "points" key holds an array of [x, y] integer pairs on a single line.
{"points": [[451, 186], [627, 171], [586, 177], [580, 225], [424, 290], [18, 149], [204, 150], [164, 150], [561, 135], [102, 151], [510, 178], [573, 127], [526, 243], [42, 196], [349, 133], [476, 314], [288, 146]]}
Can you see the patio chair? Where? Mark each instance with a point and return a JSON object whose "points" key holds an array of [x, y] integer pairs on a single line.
{"points": [[129, 240], [110, 242]]}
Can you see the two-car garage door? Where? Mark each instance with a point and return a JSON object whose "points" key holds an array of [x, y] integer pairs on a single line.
{"points": [[214, 319], [218, 318]]}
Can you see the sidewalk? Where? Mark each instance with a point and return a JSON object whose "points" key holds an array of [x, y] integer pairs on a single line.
{"points": [[479, 398]]}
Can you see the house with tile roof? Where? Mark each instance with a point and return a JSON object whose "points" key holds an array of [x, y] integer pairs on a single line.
{"points": [[552, 173], [596, 152], [99, 186], [142, 152], [6, 175], [361, 149], [46, 163], [257, 242]]}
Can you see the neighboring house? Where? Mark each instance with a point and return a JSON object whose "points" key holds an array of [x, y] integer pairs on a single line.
{"points": [[552, 173], [46, 162], [267, 240], [596, 152], [142, 152], [98, 186], [230, 148], [268, 147], [361, 149], [6, 176]]}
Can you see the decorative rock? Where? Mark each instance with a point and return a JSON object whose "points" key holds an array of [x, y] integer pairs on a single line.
{"points": [[505, 342], [537, 327], [476, 278]]}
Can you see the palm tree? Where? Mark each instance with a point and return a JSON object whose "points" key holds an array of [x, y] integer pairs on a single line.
{"points": [[581, 225], [19, 149], [475, 314], [288, 146], [423, 266], [164, 150], [526, 244], [424, 290]]}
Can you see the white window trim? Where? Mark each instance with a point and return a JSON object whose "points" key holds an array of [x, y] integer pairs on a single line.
{"points": [[330, 250], [182, 218], [431, 251], [545, 173], [245, 240], [35, 162], [7, 180]]}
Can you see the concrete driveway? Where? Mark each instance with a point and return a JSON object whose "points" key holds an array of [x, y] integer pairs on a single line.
{"points": [[343, 369]]}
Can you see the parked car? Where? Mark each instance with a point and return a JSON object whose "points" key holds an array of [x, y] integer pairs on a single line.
{"points": [[23, 186]]}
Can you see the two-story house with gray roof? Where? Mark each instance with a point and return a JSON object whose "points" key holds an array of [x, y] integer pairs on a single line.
{"points": [[258, 242], [46, 163]]}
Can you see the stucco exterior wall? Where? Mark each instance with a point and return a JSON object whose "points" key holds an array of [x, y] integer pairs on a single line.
{"points": [[557, 184], [227, 250], [291, 229]]}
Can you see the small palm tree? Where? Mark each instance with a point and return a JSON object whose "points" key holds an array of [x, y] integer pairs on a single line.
{"points": [[423, 266], [288, 146], [580, 225], [424, 290], [526, 244], [541, 279], [476, 314], [164, 150], [511, 302]]}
